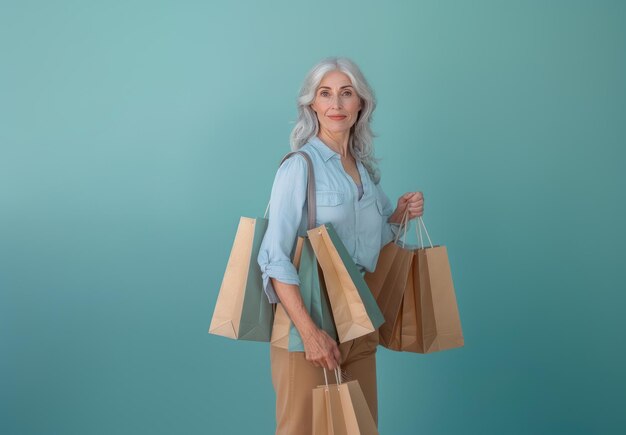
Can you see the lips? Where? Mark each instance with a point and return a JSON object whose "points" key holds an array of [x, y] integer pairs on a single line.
{"points": [[337, 117]]}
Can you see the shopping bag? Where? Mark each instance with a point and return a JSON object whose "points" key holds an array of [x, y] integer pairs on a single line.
{"points": [[354, 308], [328, 417], [390, 299], [431, 320], [341, 409], [388, 283], [242, 310], [315, 299]]}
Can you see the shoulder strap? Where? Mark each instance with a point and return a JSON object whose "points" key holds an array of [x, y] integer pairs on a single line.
{"points": [[310, 193]]}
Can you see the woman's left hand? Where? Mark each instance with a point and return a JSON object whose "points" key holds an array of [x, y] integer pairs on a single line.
{"points": [[411, 201]]}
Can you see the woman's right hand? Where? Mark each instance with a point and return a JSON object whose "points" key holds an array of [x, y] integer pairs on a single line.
{"points": [[319, 347], [321, 350]]}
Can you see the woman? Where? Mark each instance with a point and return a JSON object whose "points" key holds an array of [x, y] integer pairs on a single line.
{"points": [[335, 108]]}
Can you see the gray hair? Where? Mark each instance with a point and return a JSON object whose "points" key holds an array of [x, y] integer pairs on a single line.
{"points": [[360, 143]]}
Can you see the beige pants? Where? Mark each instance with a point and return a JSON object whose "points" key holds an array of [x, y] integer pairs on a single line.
{"points": [[294, 378]]}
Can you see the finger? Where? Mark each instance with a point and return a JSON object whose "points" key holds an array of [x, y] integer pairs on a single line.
{"points": [[336, 359], [337, 354], [329, 363], [332, 364], [409, 196]]}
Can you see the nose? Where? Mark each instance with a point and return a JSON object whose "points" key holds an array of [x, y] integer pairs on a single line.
{"points": [[335, 102]]}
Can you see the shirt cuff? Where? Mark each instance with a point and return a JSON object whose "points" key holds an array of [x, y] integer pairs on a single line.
{"points": [[283, 271]]}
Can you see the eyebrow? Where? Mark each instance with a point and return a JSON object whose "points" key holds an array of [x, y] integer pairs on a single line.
{"points": [[344, 86]]}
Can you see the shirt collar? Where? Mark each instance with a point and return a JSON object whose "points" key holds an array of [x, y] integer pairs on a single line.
{"points": [[326, 152]]}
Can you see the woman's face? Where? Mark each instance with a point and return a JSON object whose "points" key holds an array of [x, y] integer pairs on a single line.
{"points": [[336, 103]]}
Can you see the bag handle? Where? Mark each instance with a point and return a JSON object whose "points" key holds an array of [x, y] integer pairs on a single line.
{"points": [[418, 230], [419, 233], [404, 223], [310, 194], [328, 411], [337, 376]]}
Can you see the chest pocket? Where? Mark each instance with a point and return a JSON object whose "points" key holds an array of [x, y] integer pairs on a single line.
{"points": [[333, 207], [329, 198]]}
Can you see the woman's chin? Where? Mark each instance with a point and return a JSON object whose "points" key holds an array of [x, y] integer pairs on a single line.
{"points": [[338, 129]]}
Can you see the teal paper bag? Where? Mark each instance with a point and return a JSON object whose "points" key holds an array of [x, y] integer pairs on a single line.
{"points": [[314, 298], [355, 310], [242, 310]]}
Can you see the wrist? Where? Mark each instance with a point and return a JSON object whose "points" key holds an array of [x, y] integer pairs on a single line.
{"points": [[395, 218], [306, 328]]}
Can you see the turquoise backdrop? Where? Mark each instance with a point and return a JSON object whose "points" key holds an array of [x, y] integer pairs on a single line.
{"points": [[134, 134]]}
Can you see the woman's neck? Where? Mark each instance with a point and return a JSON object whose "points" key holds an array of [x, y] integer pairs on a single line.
{"points": [[338, 142]]}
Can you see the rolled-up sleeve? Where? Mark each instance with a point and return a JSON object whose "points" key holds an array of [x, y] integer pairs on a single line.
{"points": [[390, 230], [286, 212]]}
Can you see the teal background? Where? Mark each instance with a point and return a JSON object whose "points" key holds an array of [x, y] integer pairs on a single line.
{"points": [[134, 134]]}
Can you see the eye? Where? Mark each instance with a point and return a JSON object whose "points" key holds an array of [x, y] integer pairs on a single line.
{"points": [[347, 93], [324, 93]]}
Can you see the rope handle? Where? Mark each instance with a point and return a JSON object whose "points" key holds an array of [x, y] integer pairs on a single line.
{"points": [[328, 401], [419, 233], [418, 230], [337, 377], [403, 225]]}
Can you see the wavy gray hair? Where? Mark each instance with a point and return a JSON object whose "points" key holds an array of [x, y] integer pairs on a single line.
{"points": [[360, 143]]}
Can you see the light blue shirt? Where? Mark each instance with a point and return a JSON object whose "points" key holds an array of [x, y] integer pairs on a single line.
{"points": [[361, 224]]}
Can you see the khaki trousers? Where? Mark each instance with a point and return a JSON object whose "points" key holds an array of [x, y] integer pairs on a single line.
{"points": [[294, 379]]}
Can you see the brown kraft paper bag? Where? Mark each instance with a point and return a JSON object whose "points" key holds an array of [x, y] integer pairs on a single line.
{"points": [[341, 409], [431, 320], [388, 283], [391, 295]]}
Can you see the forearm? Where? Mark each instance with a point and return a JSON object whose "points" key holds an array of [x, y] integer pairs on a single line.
{"points": [[290, 297]]}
